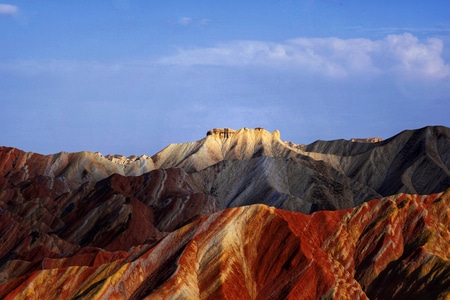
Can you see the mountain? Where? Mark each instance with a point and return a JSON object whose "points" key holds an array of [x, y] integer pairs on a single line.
{"points": [[323, 175], [390, 248], [251, 166], [239, 213]]}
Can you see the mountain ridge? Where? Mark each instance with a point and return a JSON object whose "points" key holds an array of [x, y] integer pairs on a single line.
{"points": [[226, 255], [239, 213], [333, 175]]}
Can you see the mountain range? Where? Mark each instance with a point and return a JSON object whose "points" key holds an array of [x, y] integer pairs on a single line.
{"points": [[239, 214]]}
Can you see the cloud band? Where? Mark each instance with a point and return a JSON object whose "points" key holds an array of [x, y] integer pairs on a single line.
{"points": [[401, 54]]}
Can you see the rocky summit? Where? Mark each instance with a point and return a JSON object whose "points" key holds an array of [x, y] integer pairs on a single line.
{"points": [[239, 214]]}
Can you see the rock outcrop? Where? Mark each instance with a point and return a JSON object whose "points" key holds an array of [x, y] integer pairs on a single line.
{"points": [[367, 140], [246, 166], [395, 247], [221, 218], [323, 175], [39, 222], [221, 132]]}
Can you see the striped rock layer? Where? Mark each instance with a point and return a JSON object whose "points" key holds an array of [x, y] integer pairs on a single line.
{"points": [[390, 248], [220, 218], [249, 166]]}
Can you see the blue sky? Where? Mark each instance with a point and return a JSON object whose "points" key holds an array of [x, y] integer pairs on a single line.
{"points": [[131, 77]]}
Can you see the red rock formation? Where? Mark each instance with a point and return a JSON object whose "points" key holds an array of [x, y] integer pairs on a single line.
{"points": [[395, 247], [117, 213], [73, 225]]}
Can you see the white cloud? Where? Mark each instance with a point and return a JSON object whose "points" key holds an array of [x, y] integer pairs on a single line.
{"points": [[7, 9], [185, 21], [413, 57], [401, 55], [188, 21]]}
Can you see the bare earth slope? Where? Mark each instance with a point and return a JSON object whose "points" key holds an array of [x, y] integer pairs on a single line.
{"points": [[255, 166], [391, 248], [220, 218]]}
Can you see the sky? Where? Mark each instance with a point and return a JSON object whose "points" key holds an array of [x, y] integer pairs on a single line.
{"points": [[131, 77]]}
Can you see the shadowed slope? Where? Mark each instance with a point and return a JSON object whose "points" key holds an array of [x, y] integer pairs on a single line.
{"points": [[323, 175], [290, 183], [115, 214], [413, 161], [246, 166]]}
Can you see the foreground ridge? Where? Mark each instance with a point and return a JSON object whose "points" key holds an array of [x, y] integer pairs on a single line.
{"points": [[399, 243]]}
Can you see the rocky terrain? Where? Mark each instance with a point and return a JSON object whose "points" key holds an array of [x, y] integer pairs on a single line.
{"points": [[237, 214]]}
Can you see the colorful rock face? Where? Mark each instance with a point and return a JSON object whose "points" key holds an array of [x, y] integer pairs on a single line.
{"points": [[395, 247], [84, 226]]}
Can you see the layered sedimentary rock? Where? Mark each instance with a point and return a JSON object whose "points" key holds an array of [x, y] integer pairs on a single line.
{"points": [[258, 167], [395, 247], [323, 175], [38, 221], [219, 218]]}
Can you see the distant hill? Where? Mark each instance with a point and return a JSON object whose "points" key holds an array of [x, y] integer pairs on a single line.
{"points": [[249, 166]]}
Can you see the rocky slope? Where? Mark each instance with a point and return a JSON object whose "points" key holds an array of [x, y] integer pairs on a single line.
{"points": [[255, 166], [390, 248], [87, 226], [323, 175]]}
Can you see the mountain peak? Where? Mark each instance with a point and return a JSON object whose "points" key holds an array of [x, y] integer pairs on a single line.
{"points": [[226, 206], [218, 145], [221, 132], [228, 132]]}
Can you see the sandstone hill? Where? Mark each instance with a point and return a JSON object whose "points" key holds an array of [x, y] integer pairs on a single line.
{"points": [[223, 217]]}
